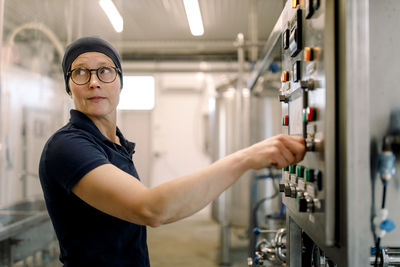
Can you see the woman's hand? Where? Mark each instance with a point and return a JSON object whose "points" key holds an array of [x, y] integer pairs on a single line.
{"points": [[278, 151]]}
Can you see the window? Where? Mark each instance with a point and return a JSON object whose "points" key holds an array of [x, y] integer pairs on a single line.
{"points": [[137, 94]]}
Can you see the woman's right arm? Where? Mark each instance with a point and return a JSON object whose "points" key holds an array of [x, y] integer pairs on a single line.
{"points": [[117, 193]]}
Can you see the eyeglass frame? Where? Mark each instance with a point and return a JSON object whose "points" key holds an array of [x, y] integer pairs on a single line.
{"points": [[117, 72]]}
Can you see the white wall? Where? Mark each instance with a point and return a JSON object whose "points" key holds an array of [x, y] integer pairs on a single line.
{"points": [[177, 126], [136, 127]]}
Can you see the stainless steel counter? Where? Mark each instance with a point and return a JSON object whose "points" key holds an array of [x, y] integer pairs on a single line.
{"points": [[25, 229]]}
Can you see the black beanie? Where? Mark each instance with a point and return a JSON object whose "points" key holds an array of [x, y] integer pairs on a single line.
{"points": [[88, 44]]}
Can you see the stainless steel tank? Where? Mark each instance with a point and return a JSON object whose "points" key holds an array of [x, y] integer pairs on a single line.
{"points": [[266, 204], [230, 132]]}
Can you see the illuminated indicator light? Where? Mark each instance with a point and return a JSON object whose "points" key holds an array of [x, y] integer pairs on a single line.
{"points": [[299, 171], [285, 120], [308, 54], [307, 175], [295, 3], [310, 114], [304, 115], [292, 169], [285, 76]]}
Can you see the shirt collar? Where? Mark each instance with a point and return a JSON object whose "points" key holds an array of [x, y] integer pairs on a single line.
{"points": [[83, 122]]}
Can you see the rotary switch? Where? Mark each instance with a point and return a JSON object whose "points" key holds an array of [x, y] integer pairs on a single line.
{"points": [[306, 204], [308, 84]]}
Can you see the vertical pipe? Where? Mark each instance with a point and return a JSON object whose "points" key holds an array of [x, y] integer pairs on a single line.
{"points": [[224, 206], [1, 105], [253, 30], [239, 140], [354, 127], [70, 21], [225, 232]]}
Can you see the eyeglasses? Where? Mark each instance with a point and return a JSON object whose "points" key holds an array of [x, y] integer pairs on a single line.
{"points": [[82, 76]]}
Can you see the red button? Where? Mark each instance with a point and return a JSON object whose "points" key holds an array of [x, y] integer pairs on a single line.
{"points": [[285, 120], [310, 114]]}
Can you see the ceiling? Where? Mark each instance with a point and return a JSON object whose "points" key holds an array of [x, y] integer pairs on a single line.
{"points": [[153, 29]]}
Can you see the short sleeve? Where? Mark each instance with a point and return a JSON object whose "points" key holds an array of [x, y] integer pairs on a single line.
{"points": [[69, 156]]}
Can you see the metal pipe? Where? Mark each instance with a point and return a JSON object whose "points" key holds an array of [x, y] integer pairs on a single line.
{"points": [[225, 245], [253, 30], [389, 257], [280, 244], [1, 106]]}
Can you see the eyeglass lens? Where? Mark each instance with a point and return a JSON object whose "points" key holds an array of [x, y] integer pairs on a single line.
{"points": [[82, 75]]}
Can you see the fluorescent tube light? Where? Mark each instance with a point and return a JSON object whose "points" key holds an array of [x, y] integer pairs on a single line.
{"points": [[113, 15], [193, 15]]}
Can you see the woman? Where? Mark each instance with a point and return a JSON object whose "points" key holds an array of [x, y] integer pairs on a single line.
{"points": [[96, 202]]}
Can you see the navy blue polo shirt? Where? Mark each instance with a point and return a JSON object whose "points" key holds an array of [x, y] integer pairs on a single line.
{"points": [[87, 236]]}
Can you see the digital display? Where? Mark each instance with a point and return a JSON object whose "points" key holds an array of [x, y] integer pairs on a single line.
{"points": [[295, 39]]}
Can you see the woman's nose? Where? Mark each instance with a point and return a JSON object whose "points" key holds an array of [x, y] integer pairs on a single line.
{"points": [[94, 80]]}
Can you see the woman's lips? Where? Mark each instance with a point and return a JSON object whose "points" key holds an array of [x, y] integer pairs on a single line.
{"points": [[96, 98]]}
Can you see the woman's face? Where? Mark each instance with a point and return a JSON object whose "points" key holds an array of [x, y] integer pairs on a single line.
{"points": [[95, 98]]}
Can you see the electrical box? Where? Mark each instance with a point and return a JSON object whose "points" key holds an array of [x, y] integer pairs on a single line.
{"points": [[308, 107]]}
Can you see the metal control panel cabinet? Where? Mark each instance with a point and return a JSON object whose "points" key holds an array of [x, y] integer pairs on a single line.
{"points": [[308, 107]]}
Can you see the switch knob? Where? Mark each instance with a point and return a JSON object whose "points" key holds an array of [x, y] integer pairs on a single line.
{"points": [[306, 204], [308, 84], [283, 98], [310, 145], [287, 191], [281, 188], [293, 191], [302, 205]]}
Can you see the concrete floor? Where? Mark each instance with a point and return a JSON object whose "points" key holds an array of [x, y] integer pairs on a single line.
{"points": [[193, 242]]}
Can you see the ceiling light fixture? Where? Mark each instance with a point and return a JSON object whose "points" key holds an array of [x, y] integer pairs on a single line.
{"points": [[193, 15], [113, 15]]}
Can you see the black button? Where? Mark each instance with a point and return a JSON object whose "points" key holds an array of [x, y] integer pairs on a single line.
{"points": [[318, 178], [302, 205]]}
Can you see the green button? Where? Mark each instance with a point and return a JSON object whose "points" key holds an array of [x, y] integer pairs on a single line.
{"points": [[307, 175], [304, 115], [299, 169], [292, 169], [283, 121], [286, 169]]}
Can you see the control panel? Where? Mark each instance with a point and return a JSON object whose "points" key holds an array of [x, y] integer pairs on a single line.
{"points": [[308, 107]]}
